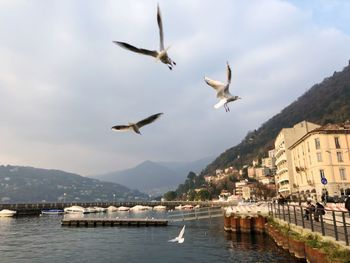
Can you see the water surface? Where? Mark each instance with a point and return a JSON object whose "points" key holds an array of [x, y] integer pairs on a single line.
{"points": [[42, 239]]}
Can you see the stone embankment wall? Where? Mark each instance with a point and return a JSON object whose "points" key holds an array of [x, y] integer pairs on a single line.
{"points": [[256, 221]]}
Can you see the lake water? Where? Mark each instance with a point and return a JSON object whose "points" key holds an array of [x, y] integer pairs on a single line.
{"points": [[43, 239]]}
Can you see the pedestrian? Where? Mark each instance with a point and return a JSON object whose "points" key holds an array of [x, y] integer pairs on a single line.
{"points": [[310, 208], [319, 211], [347, 203]]}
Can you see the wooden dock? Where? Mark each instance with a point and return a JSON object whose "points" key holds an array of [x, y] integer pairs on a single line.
{"points": [[110, 222]]}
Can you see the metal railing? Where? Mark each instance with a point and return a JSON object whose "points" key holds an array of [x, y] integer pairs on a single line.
{"points": [[325, 221], [195, 214]]}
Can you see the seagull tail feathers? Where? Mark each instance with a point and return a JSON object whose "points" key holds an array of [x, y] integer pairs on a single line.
{"points": [[220, 104]]}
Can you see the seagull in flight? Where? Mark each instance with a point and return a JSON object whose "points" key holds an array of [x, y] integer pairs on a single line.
{"points": [[222, 90], [180, 238], [162, 54], [136, 126]]}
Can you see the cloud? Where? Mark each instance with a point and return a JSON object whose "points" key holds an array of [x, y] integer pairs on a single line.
{"points": [[63, 83]]}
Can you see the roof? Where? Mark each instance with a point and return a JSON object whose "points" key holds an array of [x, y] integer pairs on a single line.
{"points": [[340, 128]]}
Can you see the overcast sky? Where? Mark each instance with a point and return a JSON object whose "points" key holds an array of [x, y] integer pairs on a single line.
{"points": [[64, 84]]}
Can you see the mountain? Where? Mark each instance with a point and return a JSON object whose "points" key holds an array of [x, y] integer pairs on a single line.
{"points": [[326, 102], [27, 184], [155, 178]]}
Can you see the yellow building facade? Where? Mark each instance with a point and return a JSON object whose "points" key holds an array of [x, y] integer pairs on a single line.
{"points": [[284, 177], [322, 153]]}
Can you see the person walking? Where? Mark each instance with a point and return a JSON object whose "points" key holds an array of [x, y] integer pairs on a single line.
{"points": [[347, 203]]}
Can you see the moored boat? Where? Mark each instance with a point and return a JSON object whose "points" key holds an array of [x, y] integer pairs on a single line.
{"points": [[7, 213], [75, 209], [52, 212], [159, 207]]}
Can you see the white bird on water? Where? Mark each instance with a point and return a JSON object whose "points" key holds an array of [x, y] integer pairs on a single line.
{"points": [[161, 55], [136, 126], [222, 90], [180, 238]]}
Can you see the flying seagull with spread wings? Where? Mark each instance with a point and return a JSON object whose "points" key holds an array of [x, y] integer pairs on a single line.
{"points": [[162, 54], [222, 90], [136, 126], [180, 238]]}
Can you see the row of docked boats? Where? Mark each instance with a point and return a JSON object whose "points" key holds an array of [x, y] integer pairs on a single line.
{"points": [[79, 209]]}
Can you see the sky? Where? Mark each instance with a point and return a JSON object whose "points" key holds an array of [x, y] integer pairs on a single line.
{"points": [[64, 84]]}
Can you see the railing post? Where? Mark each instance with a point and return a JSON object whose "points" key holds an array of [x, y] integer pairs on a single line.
{"points": [[284, 215], [295, 215], [345, 229], [302, 217], [322, 225], [279, 211], [288, 213], [311, 221], [335, 226]]}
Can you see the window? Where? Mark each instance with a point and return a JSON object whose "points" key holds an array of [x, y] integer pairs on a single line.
{"points": [[317, 143], [310, 159], [342, 174], [319, 157], [308, 147], [336, 141], [340, 157], [322, 173]]}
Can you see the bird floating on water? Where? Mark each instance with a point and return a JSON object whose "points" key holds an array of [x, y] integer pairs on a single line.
{"points": [[180, 238], [222, 90], [136, 126], [162, 54]]}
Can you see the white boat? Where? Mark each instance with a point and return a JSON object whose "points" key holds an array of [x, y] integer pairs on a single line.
{"points": [[52, 212], [178, 207], [112, 209], [91, 210], [123, 208], [100, 209], [159, 207], [7, 213], [140, 208], [75, 209]]}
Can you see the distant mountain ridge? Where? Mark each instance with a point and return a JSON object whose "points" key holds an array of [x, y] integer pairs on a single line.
{"points": [[155, 178], [326, 102], [27, 184]]}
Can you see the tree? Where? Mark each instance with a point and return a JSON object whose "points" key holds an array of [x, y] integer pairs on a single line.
{"points": [[203, 195], [170, 196]]}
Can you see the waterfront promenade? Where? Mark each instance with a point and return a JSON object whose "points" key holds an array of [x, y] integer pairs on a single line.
{"points": [[334, 223]]}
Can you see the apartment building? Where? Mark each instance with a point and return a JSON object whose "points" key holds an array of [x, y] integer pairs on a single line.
{"points": [[285, 173], [322, 153]]}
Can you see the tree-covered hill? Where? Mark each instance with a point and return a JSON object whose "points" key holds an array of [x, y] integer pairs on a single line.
{"points": [[327, 102], [27, 184]]}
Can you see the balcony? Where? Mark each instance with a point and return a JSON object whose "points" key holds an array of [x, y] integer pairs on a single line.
{"points": [[280, 151], [283, 170]]}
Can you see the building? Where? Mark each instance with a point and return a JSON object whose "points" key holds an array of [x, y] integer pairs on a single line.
{"points": [[322, 153], [287, 137], [268, 162], [251, 172], [262, 172]]}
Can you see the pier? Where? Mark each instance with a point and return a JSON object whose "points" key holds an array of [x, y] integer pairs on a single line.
{"points": [[111, 222]]}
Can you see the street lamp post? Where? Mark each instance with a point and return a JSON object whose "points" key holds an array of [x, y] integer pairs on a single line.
{"points": [[113, 198], [64, 197]]}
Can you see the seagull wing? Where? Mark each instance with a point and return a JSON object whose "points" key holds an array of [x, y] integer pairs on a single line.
{"points": [[160, 25], [228, 74], [148, 120], [217, 85], [127, 46], [122, 128], [173, 240], [182, 232]]}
